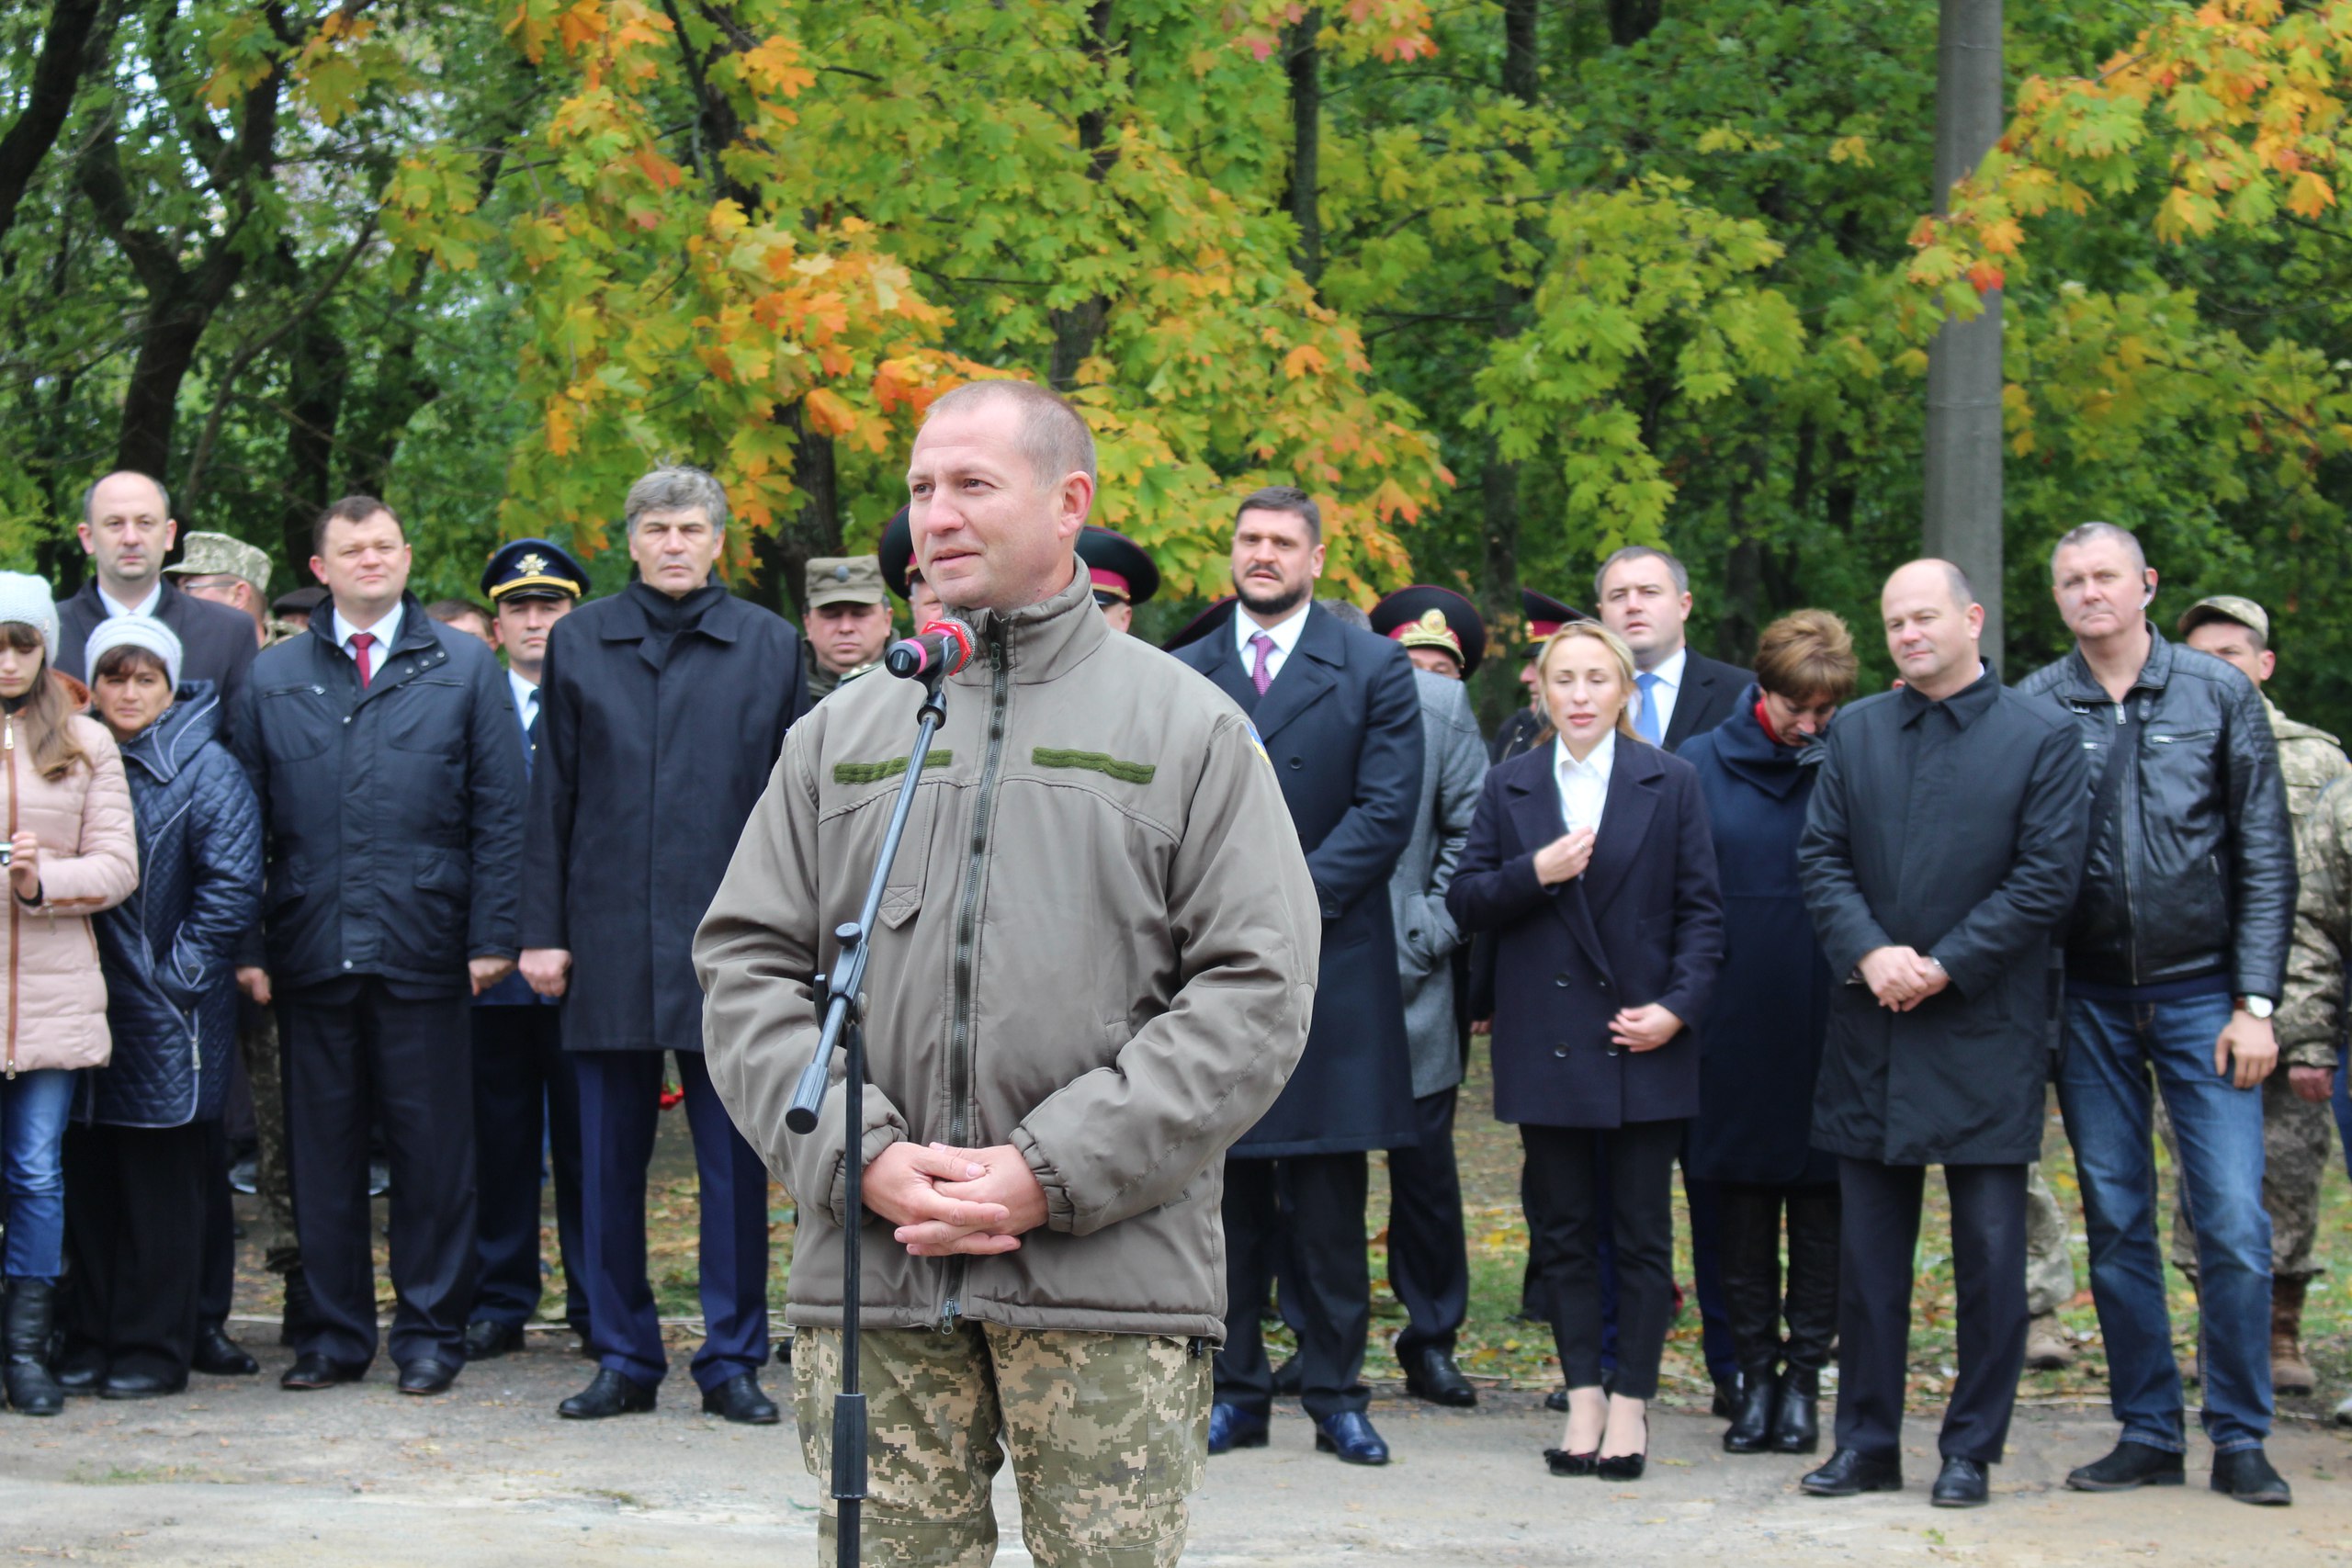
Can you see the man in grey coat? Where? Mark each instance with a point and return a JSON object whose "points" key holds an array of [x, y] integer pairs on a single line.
{"points": [[1428, 1259]]}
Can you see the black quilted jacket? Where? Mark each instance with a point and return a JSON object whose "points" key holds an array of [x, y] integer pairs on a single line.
{"points": [[168, 950]]}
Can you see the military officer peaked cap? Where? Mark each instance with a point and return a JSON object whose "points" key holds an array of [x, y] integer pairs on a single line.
{"points": [[1545, 615], [533, 569], [897, 551], [1120, 568], [1427, 616]]}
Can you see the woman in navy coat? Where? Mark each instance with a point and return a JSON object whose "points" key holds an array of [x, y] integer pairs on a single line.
{"points": [[1753, 1137], [1591, 862]]}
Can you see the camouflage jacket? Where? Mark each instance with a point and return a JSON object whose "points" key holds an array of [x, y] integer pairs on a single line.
{"points": [[2310, 1015]]}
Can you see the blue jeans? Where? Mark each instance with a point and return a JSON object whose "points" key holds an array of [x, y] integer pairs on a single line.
{"points": [[2111, 1050], [32, 1168], [2342, 1099]]}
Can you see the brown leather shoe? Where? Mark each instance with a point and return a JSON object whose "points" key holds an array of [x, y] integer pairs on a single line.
{"points": [[2290, 1372]]}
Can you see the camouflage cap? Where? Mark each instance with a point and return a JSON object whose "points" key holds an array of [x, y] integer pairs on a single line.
{"points": [[217, 555], [844, 580], [2226, 607]]}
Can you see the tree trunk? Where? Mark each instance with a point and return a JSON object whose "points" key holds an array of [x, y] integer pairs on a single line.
{"points": [[1302, 58], [1964, 468], [316, 363], [1078, 327], [1499, 482], [56, 77]]}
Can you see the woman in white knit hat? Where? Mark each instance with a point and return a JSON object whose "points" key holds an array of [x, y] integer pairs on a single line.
{"points": [[71, 854]]}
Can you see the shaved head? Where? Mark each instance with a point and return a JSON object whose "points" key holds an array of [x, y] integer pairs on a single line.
{"points": [[1052, 435]]}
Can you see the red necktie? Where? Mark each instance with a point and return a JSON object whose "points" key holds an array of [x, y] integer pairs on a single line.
{"points": [[360, 643], [1262, 677]]}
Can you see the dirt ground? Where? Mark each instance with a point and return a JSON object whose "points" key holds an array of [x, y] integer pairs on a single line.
{"points": [[240, 1473]]}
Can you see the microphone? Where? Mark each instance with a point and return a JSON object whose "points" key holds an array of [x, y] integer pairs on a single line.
{"points": [[939, 650]]}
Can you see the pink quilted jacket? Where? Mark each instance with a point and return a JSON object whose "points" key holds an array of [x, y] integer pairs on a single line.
{"points": [[89, 860]]}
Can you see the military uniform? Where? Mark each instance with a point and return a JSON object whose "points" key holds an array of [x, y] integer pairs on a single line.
{"points": [[1122, 571], [840, 579]]}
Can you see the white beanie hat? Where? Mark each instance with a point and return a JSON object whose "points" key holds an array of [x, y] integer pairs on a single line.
{"points": [[25, 598], [136, 631]]}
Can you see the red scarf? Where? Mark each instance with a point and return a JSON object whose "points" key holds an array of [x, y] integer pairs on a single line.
{"points": [[1766, 720]]}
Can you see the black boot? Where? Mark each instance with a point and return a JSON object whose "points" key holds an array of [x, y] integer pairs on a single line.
{"points": [[1796, 1414], [299, 1311], [25, 1322], [1751, 1424]]}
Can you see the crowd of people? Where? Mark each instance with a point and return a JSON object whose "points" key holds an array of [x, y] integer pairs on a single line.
{"points": [[1802, 943]]}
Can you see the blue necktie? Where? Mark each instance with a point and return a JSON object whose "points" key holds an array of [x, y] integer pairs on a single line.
{"points": [[1646, 720]]}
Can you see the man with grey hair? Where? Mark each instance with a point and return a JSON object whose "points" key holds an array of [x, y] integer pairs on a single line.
{"points": [[662, 711]]}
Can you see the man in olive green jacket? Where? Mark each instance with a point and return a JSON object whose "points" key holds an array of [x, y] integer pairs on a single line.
{"points": [[1094, 970]]}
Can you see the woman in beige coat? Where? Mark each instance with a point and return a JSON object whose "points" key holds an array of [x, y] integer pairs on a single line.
{"points": [[70, 852]]}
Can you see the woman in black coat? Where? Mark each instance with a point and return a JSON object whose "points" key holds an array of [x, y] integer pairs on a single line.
{"points": [[1591, 862], [1753, 1137]]}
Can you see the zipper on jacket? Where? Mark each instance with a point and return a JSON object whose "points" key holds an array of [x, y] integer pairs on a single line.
{"points": [[960, 1044], [2124, 843], [8, 744]]}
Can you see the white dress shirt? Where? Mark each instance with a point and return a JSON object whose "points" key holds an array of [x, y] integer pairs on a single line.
{"points": [[1665, 687], [1584, 786], [526, 702], [146, 606], [1284, 632], [385, 632]]}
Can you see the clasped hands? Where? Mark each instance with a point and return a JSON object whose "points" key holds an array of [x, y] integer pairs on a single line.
{"points": [[944, 1201], [1901, 978]]}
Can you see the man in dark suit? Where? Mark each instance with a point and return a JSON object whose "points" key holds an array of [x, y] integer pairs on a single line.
{"points": [[1341, 719], [127, 528], [524, 1089], [1644, 595], [1938, 1050], [382, 746], [664, 710]]}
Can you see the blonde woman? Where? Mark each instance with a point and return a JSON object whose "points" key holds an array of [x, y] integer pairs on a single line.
{"points": [[1591, 862]]}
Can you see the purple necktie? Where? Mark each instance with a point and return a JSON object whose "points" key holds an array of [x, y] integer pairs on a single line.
{"points": [[1261, 677]]}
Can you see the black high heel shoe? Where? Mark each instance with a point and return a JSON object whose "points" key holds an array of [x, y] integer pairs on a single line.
{"points": [[1626, 1467], [1559, 1462]]}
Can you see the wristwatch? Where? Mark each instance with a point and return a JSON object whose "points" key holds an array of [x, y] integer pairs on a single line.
{"points": [[2257, 1006]]}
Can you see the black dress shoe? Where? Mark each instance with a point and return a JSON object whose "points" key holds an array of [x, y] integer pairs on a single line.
{"points": [[1625, 1466], [79, 1372], [1430, 1374], [1850, 1472], [486, 1340], [609, 1394], [217, 1356], [783, 1351], [1231, 1428], [1348, 1434], [2131, 1466], [139, 1385], [1960, 1485], [1796, 1412], [313, 1370], [1556, 1402], [738, 1399], [1751, 1424], [2245, 1474], [1560, 1461], [428, 1374]]}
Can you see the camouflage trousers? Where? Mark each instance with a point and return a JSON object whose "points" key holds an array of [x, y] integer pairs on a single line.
{"points": [[2049, 1266], [257, 1039], [1108, 1433], [2294, 1158]]}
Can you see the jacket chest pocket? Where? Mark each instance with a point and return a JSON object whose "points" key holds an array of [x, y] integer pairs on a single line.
{"points": [[902, 893], [2177, 768], [296, 722], [420, 718]]}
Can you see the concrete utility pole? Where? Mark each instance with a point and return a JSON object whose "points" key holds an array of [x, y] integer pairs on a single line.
{"points": [[1963, 490]]}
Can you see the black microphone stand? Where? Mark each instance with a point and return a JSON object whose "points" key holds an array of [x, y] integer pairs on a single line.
{"points": [[845, 993]]}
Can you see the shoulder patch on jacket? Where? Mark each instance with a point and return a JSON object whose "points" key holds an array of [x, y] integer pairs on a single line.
{"points": [[1095, 761], [875, 772]]}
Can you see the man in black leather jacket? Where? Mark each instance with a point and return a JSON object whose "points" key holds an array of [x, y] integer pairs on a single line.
{"points": [[2176, 954]]}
